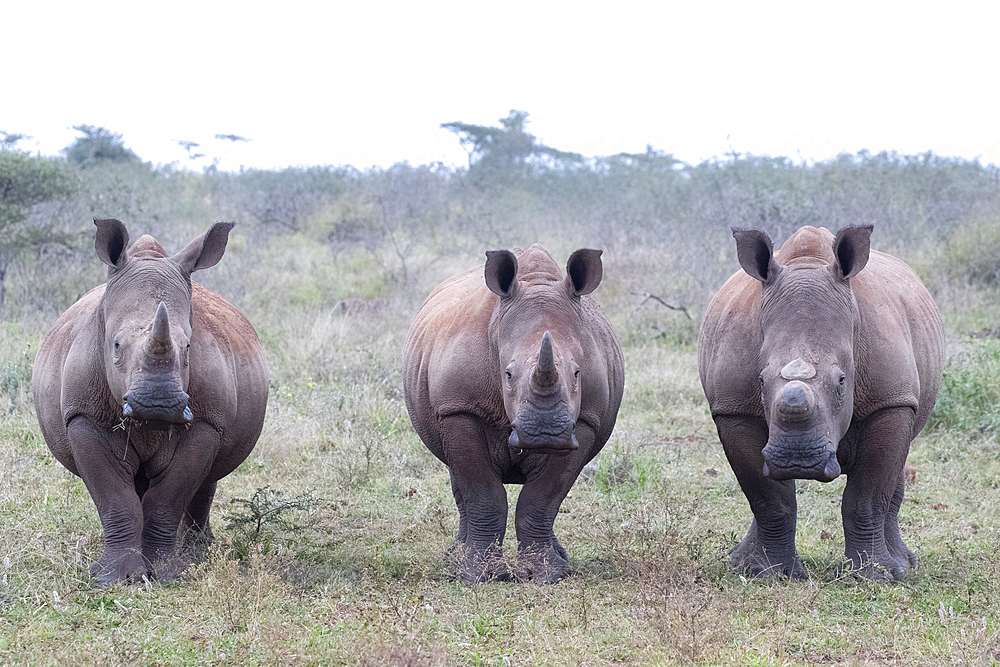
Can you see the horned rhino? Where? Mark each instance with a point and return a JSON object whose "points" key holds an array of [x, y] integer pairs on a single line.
{"points": [[515, 379], [151, 388], [821, 359]]}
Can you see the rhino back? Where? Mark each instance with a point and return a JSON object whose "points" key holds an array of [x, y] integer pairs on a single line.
{"points": [[447, 366]]}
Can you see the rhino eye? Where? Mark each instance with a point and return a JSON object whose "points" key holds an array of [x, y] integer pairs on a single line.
{"points": [[761, 378], [842, 380], [509, 376], [576, 373]]}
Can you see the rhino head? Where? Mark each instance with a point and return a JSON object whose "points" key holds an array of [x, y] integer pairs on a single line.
{"points": [[146, 316], [536, 331], [807, 372]]}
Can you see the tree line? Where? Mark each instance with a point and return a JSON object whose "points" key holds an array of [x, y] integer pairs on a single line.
{"points": [[513, 191]]}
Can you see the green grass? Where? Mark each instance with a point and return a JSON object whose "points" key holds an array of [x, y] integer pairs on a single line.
{"points": [[351, 571]]}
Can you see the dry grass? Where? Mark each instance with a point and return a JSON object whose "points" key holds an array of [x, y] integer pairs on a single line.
{"points": [[356, 575]]}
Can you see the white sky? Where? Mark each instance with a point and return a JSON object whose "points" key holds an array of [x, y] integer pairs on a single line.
{"points": [[369, 83]]}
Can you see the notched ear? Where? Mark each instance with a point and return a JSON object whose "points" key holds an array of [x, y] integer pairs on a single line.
{"points": [[756, 254], [111, 242], [501, 272], [206, 250], [852, 247], [584, 271]]}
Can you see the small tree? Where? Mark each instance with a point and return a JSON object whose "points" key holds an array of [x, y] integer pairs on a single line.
{"points": [[25, 182], [97, 145]]}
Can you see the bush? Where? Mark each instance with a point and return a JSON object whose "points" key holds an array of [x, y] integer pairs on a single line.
{"points": [[972, 253]]}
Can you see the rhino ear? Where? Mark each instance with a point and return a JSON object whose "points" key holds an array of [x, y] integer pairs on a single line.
{"points": [[501, 272], [111, 242], [852, 247], [584, 271], [206, 250], [756, 254]]}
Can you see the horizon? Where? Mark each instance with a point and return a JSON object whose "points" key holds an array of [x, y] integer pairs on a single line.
{"points": [[371, 85]]}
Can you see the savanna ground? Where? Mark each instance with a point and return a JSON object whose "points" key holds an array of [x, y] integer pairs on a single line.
{"points": [[330, 537]]}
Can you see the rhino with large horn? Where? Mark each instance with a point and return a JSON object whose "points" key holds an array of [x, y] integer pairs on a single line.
{"points": [[151, 388], [515, 379]]}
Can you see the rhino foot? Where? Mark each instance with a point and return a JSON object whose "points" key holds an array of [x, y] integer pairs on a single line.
{"points": [[168, 568], [477, 565], [755, 560], [121, 568], [885, 570], [542, 563]]}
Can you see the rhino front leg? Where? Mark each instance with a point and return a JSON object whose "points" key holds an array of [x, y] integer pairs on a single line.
{"points": [[540, 556], [98, 459], [873, 496], [171, 494], [768, 549], [477, 554]]}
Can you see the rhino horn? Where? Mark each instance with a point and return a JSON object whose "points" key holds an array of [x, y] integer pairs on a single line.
{"points": [[161, 325], [545, 371], [799, 369]]}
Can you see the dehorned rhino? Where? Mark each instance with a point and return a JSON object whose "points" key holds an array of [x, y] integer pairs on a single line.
{"points": [[515, 379], [823, 358], [151, 388]]}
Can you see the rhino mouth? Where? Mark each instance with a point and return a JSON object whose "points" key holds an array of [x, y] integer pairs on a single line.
{"points": [[166, 409], [543, 443], [819, 463]]}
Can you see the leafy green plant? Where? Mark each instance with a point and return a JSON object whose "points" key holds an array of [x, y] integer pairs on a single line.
{"points": [[268, 519], [970, 389], [15, 379]]}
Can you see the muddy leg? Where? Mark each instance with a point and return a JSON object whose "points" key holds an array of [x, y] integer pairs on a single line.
{"points": [[111, 482], [540, 557], [768, 550], [170, 495], [873, 496], [197, 532], [481, 498]]}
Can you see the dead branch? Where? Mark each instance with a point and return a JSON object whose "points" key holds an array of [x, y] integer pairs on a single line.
{"points": [[652, 297]]}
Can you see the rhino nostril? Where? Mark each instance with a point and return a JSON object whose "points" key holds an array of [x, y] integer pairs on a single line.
{"points": [[795, 399]]}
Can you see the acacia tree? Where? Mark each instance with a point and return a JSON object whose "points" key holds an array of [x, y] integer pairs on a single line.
{"points": [[508, 149], [25, 182]]}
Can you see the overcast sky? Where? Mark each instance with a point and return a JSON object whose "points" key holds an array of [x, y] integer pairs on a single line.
{"points": [[369, 83]]}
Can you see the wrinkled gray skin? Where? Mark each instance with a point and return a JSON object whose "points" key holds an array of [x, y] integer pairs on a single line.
{"points": [[151, 388], [824, 358], [515, 379]]}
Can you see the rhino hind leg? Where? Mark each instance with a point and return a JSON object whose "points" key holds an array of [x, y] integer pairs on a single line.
{"points": [[873, 495], [195, 529], [768, 549]]}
